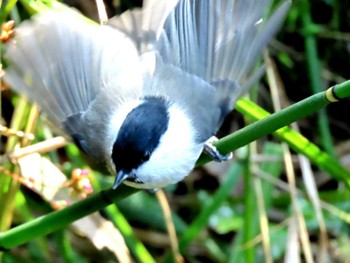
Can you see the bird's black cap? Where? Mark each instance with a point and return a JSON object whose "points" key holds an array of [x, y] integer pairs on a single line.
{"points": [[140, 134]]}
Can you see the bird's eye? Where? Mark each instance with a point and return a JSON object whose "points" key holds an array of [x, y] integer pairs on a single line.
{"points": [[146, 156]]}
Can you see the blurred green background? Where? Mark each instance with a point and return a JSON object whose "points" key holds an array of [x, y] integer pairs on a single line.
{"points": [[266, 205]]}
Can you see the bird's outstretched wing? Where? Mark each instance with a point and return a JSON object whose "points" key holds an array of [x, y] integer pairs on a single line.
{"points": [[214, 43], [220, 41], [62, 61]]}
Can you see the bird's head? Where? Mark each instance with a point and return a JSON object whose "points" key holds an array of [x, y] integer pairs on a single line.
{"points": [[138, 137], [154, 146]]}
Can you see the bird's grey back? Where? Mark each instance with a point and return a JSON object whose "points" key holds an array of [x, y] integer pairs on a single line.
{"points": [[214, 43]]}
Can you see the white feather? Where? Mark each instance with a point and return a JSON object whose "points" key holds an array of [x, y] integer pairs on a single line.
{"points": [[175, 156]]}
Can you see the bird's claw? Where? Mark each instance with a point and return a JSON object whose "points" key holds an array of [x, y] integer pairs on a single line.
{"points": [[211, 150]]}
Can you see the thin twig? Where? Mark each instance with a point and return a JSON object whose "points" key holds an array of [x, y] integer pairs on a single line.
{"points": [[11, 132], [41, 147]]}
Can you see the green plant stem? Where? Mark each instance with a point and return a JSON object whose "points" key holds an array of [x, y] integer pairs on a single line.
{"points": [[313, 64], [137, 248], [6, 9], [220, 196], [342, 90], [34, 7], [272, 123], [238, 251], [64, 247], [268, 124], [202, 219], [9, 186], [59, 219], [300, 144]]}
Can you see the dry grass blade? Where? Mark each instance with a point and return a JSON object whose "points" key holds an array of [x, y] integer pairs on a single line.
{"points": [[306, 170], [312, 192], [263, 220], [293, 247], [102, 14], [284, 186], [170, 226], [264, 224], [275, 84], [303, 233]]}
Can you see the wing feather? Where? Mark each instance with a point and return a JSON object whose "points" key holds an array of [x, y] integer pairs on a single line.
{"points": [[219, 41], [61, 61], [144, 25], [45, 62], [203, 48], [78, 72]]}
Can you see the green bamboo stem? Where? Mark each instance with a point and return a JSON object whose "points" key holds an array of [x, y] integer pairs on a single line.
{"points": [[272, 123], [342, 90], [59, 219], [269, 124]]}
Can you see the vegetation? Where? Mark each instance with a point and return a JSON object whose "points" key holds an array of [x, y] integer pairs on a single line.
{"points": [[283, 198]]}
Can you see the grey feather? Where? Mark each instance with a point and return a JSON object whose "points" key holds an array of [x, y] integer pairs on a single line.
{"points": [[193, 52], [48, 58], [144, 25], [219, 41], [191, 93], [214, 41], [63, 62]]}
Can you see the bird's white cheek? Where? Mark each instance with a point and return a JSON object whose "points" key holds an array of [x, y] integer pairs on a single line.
{"points": [[170, 168], [176, 154]]}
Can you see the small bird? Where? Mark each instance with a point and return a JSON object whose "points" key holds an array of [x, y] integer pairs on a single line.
{"points": [[145, 92]]}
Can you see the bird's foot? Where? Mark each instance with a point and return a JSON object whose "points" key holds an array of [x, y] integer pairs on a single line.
{"points": [[211, 150]]}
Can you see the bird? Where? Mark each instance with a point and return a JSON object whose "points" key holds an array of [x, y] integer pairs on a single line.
{"points": [[144, 93]]}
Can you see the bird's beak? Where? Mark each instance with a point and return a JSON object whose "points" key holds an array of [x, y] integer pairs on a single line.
{"points": [[121, 176]]}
